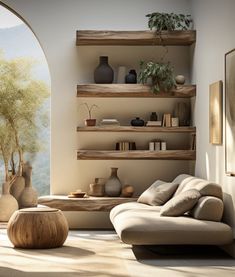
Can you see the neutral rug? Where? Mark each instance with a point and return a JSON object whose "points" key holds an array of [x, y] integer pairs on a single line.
{"points": [[101, 253]]}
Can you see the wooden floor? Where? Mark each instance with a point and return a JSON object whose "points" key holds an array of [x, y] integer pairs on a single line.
{"points": [[101, 254]]}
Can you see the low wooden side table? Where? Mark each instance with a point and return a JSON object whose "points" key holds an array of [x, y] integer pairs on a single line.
{"points": [[37, 228]]}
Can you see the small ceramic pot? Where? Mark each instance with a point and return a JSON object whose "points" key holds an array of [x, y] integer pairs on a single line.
{"points": [[137, 122], [131, 77], [180, 79], [90, 122]]}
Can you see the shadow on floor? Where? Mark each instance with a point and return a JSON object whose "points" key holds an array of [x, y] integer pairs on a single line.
{"points": [[178, 255]]}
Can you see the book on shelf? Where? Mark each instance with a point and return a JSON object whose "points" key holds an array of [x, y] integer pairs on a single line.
{"points": [[125, 145], [109, 122], [154, 123], [193, 142], [166, 121]]}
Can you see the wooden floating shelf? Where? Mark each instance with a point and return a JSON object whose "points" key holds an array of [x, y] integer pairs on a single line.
{"points": [[136, 155], [95, 37], [137, 129], [82, 204], [132, 90]]}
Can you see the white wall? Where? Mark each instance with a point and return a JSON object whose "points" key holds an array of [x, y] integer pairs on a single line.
{"points": [[55, 23], [214, 21]]}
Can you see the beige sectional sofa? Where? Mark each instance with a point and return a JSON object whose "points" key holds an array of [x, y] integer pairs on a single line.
{"points": [[142, 224]]}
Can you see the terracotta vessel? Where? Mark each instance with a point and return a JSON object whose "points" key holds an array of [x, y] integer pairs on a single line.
{"points": [[29, 196], [90, 122], [8, 204], [18, 185]]}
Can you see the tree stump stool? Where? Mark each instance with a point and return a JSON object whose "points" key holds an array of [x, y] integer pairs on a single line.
{"points": [[37, 228]]}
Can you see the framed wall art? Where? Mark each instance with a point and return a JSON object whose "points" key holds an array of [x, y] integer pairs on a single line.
{"points": [[230, 113], [215, 112]]}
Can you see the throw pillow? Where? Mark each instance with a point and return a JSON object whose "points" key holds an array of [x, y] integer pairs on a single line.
{"points": [[208, 208], [181, 203], [158, 193]]}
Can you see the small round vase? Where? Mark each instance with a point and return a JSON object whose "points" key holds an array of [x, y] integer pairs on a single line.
{"points": [[8, 204], [180, 79], [153, 116], [103, 73], [137, 122], [131, 77], [29, 196], [113, 185]]}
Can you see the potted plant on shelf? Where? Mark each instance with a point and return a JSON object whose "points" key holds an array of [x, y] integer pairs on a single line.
{"points": [[168, 21], [161, 75], [90, 121]]}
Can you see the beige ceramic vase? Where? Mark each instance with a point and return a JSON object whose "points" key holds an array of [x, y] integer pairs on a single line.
{"points": [[8, 204], [29, 196]]}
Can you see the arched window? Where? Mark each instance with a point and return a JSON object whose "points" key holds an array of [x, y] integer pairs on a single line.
{"points": [[24, 102]]}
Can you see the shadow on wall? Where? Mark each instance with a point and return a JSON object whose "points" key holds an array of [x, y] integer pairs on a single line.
{"points": [[229, 212]]}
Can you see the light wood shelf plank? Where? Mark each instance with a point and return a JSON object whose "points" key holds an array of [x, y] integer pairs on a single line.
{"points": [[64, 203], [183, 129], [132, 90], [146, 37], [136, 155]]}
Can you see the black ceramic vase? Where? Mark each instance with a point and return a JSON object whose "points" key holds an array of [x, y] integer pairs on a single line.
{"points": [[137, 122], [131, 77], [103, 73]]}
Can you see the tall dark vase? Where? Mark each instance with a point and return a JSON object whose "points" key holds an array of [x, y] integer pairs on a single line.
{"points": [[103, 73], [113, 185]]}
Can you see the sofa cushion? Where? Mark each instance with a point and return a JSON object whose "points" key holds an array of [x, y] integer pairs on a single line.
{"points": [[147, 227], [181, 203], [158, 193], [208, 208], [206, 188]]}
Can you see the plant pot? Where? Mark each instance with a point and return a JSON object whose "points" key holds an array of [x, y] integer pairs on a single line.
{"points": [[90, 122]]}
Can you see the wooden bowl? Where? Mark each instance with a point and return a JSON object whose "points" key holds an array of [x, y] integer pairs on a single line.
{"points": [[76, 194]]}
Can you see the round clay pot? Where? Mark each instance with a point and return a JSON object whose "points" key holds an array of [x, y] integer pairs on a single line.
{"points": [[17, 187], [131, 77]]}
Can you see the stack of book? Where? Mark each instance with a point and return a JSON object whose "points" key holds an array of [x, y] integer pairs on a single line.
{"points": [[154, 123], [125, 145], [166, 121], [109, 122]]}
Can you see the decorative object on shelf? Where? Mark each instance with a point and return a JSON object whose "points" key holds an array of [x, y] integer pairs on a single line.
{"points": [[157, 145], [161, 74], [125, 146], [77, 194], [174, 121], [230, 113], [154, 123], [103, 73], [215, 112], [166, 121], [153, 116], [137, 122], [131, 77], [180, 79], [193, 141], [182, 111], [151, 146], [8, 203], [97, 188], [168, 21], [109, 122], [29, 196], [121, 75], [163, 145], [90, 121], [127, 191], [113, 185]]}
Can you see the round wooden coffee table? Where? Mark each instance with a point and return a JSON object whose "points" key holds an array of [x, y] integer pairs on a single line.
{"points": [[37, 228]]}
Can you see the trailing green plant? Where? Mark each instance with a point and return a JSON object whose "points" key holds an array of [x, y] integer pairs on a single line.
{"points": [[161, 75], [168, 21]]}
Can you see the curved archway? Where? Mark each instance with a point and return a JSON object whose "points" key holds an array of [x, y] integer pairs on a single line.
{"points": [[21, 51]]}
